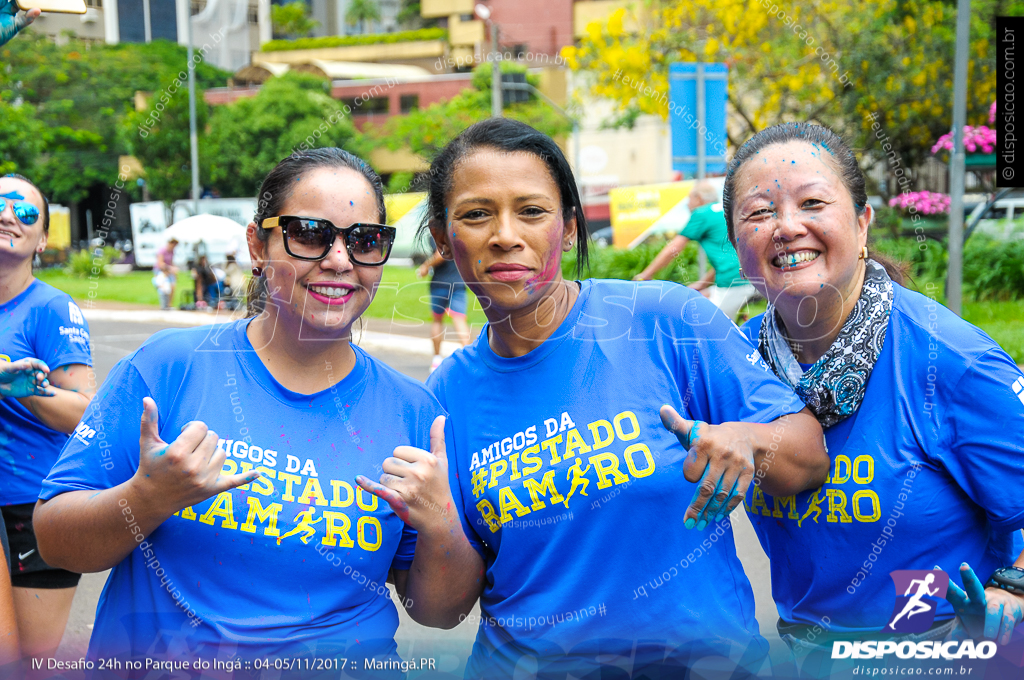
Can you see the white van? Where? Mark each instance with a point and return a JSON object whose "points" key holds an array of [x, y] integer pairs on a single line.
{"points": [[1004, 221]]}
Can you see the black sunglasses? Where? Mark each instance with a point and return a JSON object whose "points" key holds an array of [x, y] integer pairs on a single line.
{"points": [[311, 238]]}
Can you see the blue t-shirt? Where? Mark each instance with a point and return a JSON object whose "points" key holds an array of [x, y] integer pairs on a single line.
{"points": [[297, 563], [929, 471], [42, 323], [572, 490]]}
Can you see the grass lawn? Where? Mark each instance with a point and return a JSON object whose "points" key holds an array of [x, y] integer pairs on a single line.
{"points": [[404, 297], [398, 298]]}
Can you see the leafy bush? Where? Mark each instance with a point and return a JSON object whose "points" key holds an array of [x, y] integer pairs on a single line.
{"points": [[82, 263], [352, 40], [993, 269], [612, 263]]}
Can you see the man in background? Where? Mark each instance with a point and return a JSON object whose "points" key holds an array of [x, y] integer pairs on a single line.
{"points": [[722, 284]]}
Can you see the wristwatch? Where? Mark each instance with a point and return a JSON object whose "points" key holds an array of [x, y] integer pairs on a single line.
{"points": [[1007, 578]]}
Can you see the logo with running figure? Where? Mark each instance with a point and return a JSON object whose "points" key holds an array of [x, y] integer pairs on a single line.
{"points": [[915, 607]]}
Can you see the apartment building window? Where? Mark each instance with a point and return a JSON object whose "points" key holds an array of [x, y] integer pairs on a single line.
{"points": [[372, 106], [409, 102]]}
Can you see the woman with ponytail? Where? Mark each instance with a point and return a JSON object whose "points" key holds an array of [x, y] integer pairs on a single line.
{"points": [[234, 525]]}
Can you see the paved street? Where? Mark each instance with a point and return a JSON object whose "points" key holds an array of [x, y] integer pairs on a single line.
{"points": [[116, 339]]}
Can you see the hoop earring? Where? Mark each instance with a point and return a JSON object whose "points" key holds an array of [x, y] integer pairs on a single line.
{"points": [[257, 271], [864, 253]]}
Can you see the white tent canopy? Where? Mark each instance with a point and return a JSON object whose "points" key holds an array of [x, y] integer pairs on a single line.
{"points": [[220, 235]]}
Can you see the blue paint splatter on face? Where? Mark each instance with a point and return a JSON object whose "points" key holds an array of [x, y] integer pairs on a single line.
{"points": [[13, 195], [351, 203]]}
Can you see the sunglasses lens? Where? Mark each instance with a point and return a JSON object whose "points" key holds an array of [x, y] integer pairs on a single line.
{"points": [[369, 244], [26, 212], [308, 238]]}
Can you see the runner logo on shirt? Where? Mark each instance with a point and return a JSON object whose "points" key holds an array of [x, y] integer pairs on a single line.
{"points": [[917, 594]]}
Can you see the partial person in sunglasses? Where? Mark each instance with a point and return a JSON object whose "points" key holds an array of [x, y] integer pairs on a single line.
{"points": [[43, 393], [233, 525]]}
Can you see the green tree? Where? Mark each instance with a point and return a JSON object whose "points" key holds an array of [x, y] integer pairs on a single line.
{"points": [[247, 138], [21, 139], [292, 20], [409, 16], [79, 93], [427, 131], [159, 138], [361, 11]]}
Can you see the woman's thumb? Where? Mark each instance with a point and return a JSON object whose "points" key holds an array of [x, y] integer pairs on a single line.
{"points": [[437, 446], [149, 430]]}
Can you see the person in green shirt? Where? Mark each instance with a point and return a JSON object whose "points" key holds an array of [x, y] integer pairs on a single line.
{"points": [[722, 284]]}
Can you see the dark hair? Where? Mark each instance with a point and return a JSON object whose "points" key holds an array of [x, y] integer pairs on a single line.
{"points": [[508, 136], [277, 188], [843, 161], [46, 203]]}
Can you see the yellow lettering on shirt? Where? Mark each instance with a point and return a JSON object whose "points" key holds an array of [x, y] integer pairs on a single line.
{"points": [[842, 472], [336, 531], [507, 500], [546, 486], [532, 460], [574, 444], [221, 507], [289, 479], [364, 521], [263, 485], [311, 491], [876, 506], [782, 502], [337, 485], [607, 465], [634, 426], [514, 459], [837, 504], [859, 475], [498, 469], [257, 513], [488, 514], [601, 440], [648, 461], [552, 446], [360, 494], [759, 502]]}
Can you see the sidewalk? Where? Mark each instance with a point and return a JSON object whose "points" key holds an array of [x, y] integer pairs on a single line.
{"points": [[412, 337]]}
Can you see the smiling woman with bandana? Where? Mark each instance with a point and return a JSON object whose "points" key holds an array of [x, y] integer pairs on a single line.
{"points": [[923, 412]]}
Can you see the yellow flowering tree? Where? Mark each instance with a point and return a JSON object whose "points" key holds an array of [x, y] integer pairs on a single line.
{"points": [[827, 61]]}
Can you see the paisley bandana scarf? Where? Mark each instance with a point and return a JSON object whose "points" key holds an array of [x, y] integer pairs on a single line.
{"points": [[834, 386]]}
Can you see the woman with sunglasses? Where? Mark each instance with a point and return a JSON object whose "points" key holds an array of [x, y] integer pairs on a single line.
{"points": [[42, 397], [233, 525]]}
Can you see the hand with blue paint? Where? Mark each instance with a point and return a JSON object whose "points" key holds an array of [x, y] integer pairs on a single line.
{"points": [[991, 613], [186, 471], [25, 378], [720, 459], [12, 20]]}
